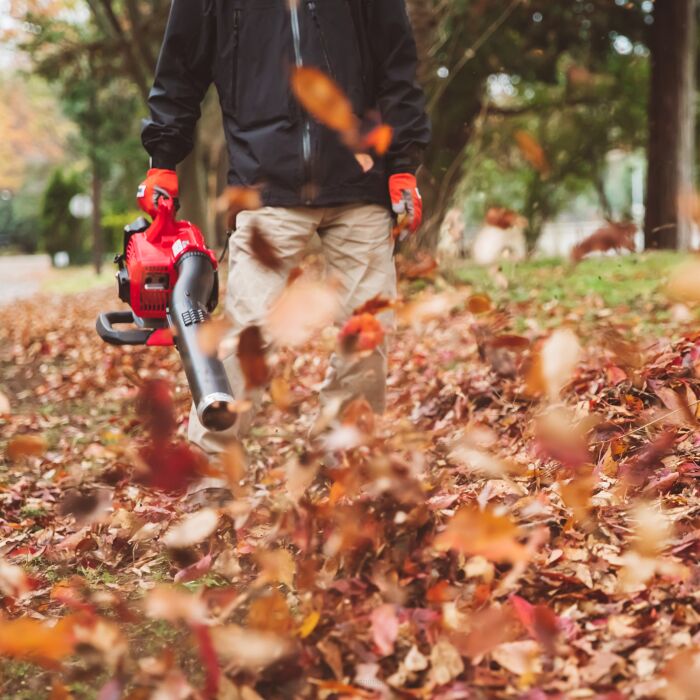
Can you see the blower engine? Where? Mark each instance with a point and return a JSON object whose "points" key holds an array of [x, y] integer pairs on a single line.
{"points": [[169, 278]]}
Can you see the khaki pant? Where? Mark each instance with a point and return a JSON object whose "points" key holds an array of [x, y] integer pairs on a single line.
{"points": [[358, 249]]}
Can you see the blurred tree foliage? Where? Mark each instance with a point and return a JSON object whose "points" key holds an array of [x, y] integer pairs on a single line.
{"points": [[59, 230], [465, 42]]}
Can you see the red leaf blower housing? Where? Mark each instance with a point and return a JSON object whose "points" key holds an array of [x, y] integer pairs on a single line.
{"points": [[169, 278]]}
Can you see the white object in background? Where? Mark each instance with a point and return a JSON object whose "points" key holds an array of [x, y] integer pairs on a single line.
{"points": [[61, 259], [493, 244], [80, 206]]}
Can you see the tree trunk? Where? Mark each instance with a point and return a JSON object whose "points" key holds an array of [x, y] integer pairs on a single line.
{"points": [[97, 242], [671, 123]]}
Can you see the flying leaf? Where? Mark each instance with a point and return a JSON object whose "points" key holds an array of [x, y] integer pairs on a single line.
{"points": [[4, 405], [487, 534], [263, 251], [532, 151], [251, 355], [248, 649], [237, 199], [479, 304], [323, 99], [33, 640], [379, 139], [303, 309], [361, 333], [192, 529], [21, 446], [174, 604]]}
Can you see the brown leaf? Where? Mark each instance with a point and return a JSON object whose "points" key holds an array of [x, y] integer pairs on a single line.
{"points": [[251, 355], [263, 251], [237, 199], [479, 304]]}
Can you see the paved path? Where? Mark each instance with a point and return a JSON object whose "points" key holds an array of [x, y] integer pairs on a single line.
{"points": [[22, 275]]}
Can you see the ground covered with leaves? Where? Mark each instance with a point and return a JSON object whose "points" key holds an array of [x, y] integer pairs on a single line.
{"points": [[523, 522]]}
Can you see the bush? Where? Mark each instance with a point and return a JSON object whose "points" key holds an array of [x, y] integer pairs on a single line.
{"points": [[113, 229], [59, 229]]}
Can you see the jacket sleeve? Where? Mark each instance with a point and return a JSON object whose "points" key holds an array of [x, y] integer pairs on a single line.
{"points": [[401, 99], [183, 75]]}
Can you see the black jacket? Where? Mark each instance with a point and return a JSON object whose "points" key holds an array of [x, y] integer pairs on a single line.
{"points": [[247, 48]]}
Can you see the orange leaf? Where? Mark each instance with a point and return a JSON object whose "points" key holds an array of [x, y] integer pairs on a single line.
{"points": [[33, 640], [26, 446], [237, 199], [493, 536], [323, 99], [479, 304], [251, 355], [532, 151], [361, 333], [379, 139], [281, 394]]}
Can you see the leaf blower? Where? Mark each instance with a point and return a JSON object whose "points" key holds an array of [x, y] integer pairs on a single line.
{"points": [[169, 278]]}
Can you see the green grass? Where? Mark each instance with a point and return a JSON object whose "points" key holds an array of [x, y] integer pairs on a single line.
{"points": [[72, 280], [632, 285]]}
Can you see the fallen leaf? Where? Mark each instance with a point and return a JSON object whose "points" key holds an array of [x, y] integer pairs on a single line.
{"points": [[385, 628]]}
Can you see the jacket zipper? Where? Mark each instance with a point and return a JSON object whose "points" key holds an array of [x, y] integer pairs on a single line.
{"points": [[311, 4], [306, 124], [236, 40]]}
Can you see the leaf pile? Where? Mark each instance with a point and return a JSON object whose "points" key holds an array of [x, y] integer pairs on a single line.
{"points": [[522, 523]]}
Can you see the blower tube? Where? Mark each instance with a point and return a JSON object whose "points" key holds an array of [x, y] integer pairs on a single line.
{"points": [[209, 385]]}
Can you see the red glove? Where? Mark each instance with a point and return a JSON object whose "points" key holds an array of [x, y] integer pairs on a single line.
{"points": [[406, 201], [158, 183]]}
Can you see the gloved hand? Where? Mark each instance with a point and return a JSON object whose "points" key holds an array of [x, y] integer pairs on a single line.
{"points": [[406, 201], [158, 183]]}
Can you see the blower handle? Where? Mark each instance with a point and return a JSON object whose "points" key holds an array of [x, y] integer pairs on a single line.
{"points": [[131, 336]]}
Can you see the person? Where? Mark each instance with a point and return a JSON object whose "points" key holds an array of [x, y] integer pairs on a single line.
{"points": [[309, 179]]}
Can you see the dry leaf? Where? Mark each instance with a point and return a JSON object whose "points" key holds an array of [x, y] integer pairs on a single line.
{"points": [[174, 604], [304, 308], [4, 405], [248, 649], [277, 566], [532, 151], [263, 251], [192, 529], [487, 534], [26, 446], [281, 393], [446, 663], [33, 640], [251, 356], [323, 99], [385, 628], [361, 333]]}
